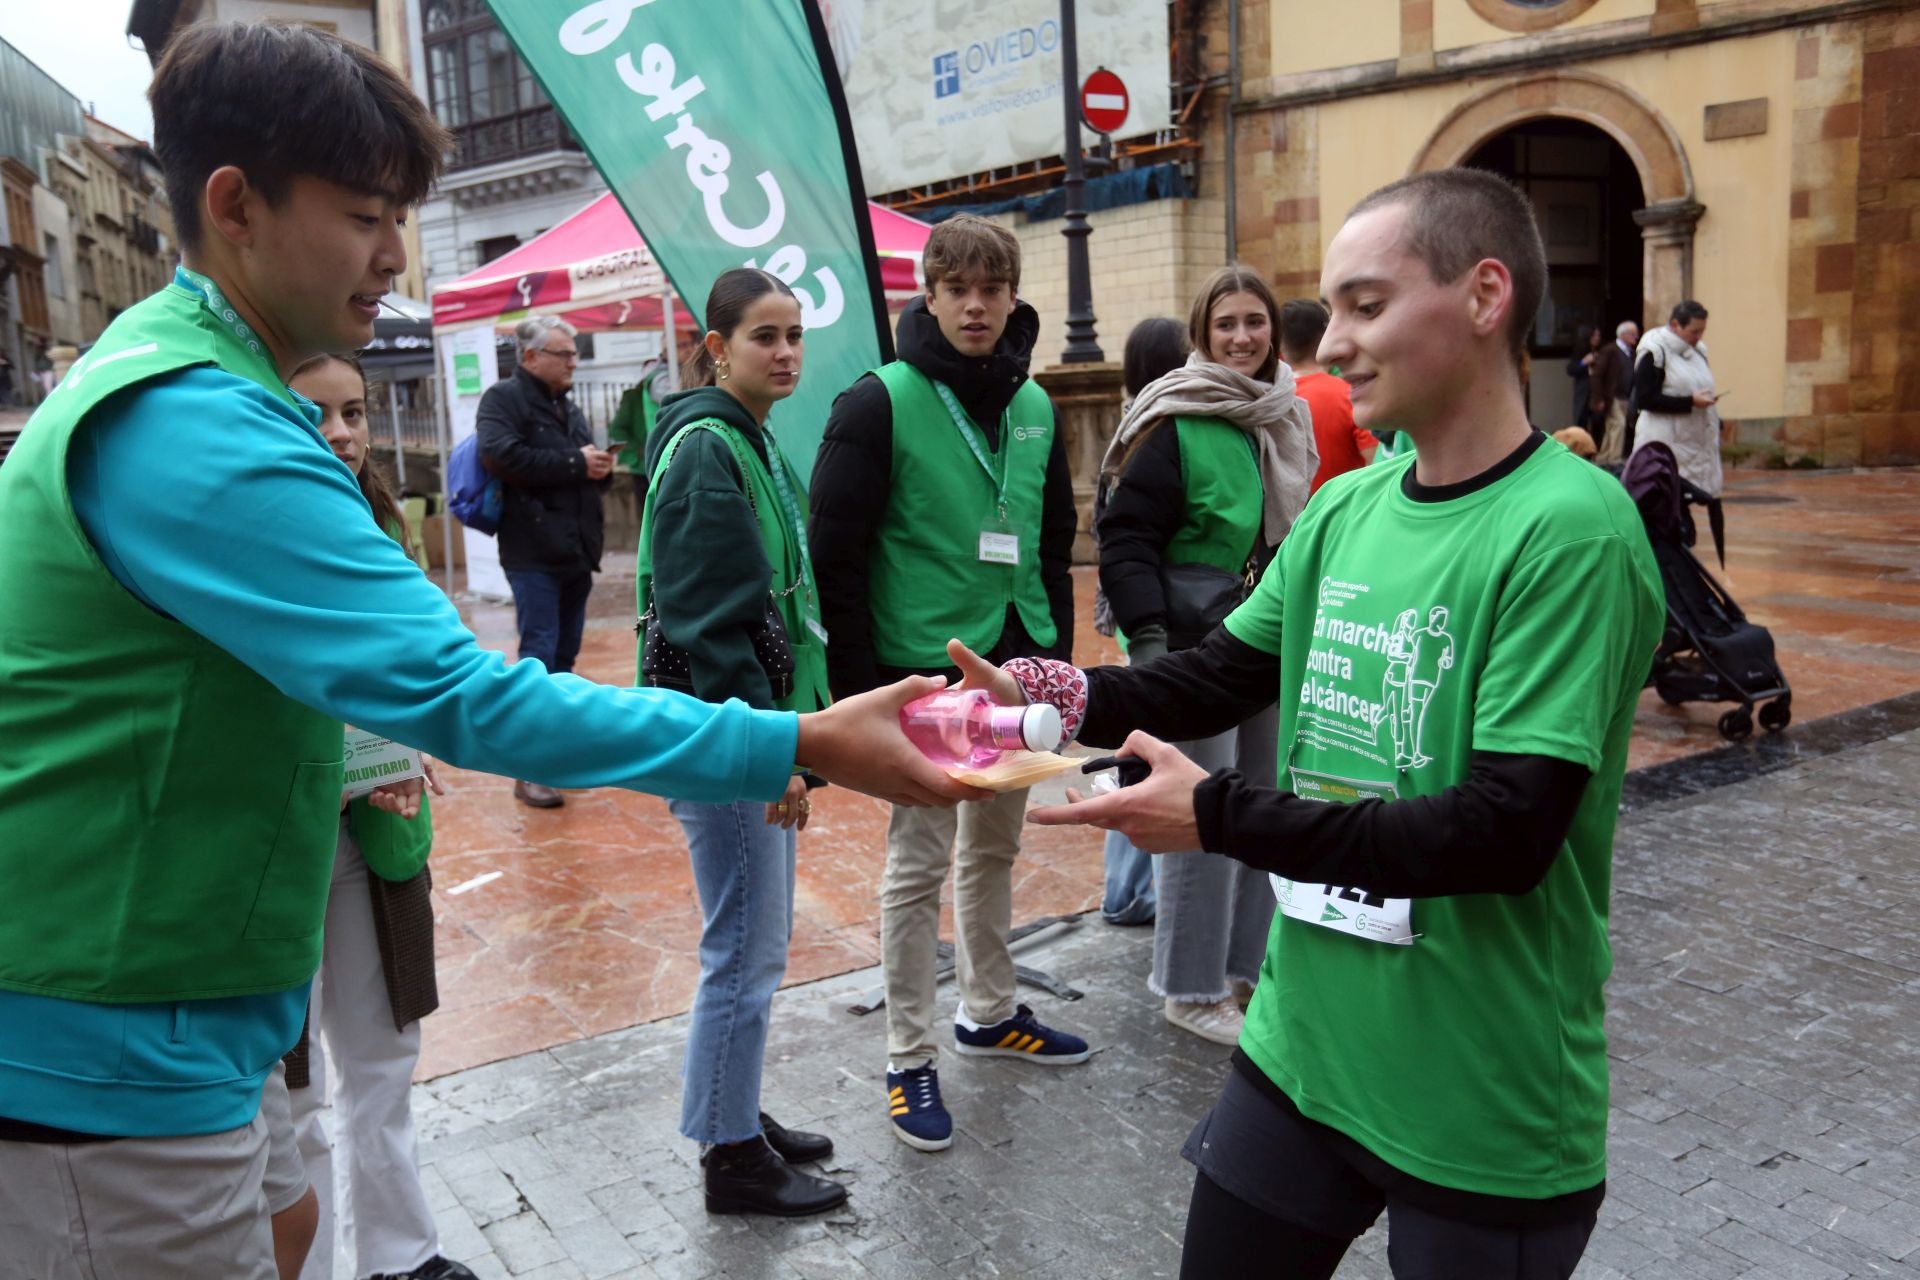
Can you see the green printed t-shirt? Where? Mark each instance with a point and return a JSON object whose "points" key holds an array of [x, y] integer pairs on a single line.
{"points": [[1518, 617]]}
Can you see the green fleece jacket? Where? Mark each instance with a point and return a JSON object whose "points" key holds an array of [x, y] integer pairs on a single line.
{"points": [[710, 571]]}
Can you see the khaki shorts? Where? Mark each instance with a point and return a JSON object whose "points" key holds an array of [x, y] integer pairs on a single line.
{"points": [[151, 1208], [286, 1177]]}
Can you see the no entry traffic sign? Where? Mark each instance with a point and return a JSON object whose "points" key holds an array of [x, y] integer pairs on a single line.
{"points": [[1103, 101]]}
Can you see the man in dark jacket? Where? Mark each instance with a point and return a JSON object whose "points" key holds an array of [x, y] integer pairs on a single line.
{"points": [[943, 507], [537, 441], [1610, 387]]}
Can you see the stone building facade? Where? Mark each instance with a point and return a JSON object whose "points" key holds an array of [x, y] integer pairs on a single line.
{"points": [[1761, 156], [123, 243]]}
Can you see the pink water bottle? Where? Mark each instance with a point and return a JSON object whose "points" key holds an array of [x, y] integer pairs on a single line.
{"points": [[968, 729]]}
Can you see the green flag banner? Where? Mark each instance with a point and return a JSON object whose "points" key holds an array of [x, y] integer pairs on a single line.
{"points": [[723, 132]]}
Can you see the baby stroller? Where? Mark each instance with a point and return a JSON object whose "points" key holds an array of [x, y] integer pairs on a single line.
{"points": [[1709, 652]]}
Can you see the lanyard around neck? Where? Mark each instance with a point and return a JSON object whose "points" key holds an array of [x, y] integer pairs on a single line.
{"points": [[783, 491], [229, 318], [971, 434]]}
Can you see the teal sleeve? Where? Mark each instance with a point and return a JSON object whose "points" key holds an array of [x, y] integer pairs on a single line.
{"points": [[220, 506]]}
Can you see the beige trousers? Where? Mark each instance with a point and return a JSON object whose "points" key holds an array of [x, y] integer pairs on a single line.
{"points": [[1616, 432], [920, 845]]}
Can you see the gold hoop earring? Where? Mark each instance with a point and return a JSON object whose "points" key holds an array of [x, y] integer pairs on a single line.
{"points": [[723, 369]]}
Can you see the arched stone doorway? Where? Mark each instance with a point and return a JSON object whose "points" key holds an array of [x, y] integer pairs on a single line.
{"points": [[1585, 192], [1498, 129]]}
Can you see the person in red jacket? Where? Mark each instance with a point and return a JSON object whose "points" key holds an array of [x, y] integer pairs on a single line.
{"points": [[1342, 445]]}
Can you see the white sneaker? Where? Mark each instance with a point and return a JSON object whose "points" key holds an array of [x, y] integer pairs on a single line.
{"points": [[1216, 1020]]}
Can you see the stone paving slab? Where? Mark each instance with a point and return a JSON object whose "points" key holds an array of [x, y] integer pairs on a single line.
{"points": [[1830, 562], [1765, 1019]]}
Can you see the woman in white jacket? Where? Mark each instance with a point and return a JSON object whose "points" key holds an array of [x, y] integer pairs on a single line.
{"points": [[1673, 387]]}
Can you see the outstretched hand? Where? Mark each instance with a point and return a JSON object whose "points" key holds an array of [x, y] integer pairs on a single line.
{"points": [[857, 743], [977, 673], [1156, 814]]}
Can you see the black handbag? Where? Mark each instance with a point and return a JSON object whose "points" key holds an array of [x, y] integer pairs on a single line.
{"points": [[1199, 597], [665, 665]]}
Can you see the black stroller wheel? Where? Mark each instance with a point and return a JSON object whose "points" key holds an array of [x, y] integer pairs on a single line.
{"points": [[1736, 724], [1778, 714]]}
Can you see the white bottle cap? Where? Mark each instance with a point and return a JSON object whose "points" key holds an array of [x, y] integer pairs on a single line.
{"points": [[1040, 727]]}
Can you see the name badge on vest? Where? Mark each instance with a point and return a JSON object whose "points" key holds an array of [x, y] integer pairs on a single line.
{"points": [[819, 632], [999, 548], [998, 543], [1344, 910]]}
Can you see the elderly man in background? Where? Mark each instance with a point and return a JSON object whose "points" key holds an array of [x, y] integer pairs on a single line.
{"points": [[537, 442], [1610, 387]]}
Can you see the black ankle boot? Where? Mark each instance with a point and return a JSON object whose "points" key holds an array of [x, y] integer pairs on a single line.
{"points": [[750, 1177], [794, 1146]]}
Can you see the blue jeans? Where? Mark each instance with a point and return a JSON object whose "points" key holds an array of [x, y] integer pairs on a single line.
{"points": [[551, 610], [1129, 898], [743, 869]]}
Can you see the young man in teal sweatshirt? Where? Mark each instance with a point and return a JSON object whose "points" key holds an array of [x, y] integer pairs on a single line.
{"points": [[194, 599]]}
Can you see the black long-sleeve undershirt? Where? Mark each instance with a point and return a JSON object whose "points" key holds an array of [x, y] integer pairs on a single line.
{"points": [[1497, 831], [1648, 379]]}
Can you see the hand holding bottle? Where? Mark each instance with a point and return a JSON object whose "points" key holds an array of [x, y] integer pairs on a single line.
{"points": [[977, 673], [857, 743], [966, 729]]}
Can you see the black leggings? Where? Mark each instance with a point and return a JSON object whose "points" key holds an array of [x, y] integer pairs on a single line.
{"points": [[1227, 1237]]}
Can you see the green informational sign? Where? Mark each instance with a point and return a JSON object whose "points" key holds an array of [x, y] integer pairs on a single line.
{"points": [[466, 373], [722, 131]]}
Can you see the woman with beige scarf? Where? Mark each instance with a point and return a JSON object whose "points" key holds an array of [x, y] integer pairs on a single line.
{"points": [[1210, 466]]}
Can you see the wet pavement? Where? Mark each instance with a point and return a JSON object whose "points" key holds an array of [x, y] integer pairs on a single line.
{"points": [[1762, 1037], [592, 922]]}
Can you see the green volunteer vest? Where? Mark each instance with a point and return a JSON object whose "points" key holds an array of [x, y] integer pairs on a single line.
{"points": [[1224, 495], [927, 583], [167, 817], [799, 608]]}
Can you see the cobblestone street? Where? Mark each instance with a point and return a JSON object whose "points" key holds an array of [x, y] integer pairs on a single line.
{"points": [[1765, 1019]]}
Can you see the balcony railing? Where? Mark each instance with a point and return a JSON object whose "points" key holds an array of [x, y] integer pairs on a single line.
{"points": [[508, 137]]}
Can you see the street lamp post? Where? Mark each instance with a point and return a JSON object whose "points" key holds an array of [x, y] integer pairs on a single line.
{"points": [[1082, 346]]}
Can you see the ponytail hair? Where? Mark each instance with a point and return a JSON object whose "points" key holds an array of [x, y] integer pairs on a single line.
{"points": [[727, 304]]}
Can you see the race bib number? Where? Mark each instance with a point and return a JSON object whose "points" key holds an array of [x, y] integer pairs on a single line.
{"points": [[999, 548], [1344, 910]]}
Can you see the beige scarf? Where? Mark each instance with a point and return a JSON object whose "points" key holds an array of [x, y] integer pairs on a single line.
{"points": [[1276, 418]]}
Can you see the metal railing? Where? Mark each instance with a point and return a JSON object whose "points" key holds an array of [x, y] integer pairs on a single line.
{"points": [[510, 136]]}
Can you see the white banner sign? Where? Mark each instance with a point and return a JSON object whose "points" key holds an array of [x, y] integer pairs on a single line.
{"points": [[469, 366], [942, 88]]}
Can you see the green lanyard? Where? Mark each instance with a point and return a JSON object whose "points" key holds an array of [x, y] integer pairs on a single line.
{"points": [[268, 375], [971, 434], [783, 488]]}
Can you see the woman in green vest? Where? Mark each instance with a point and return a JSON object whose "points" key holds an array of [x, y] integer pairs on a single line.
{"points": [[376, 976], [1208, 469], [729, 610]]}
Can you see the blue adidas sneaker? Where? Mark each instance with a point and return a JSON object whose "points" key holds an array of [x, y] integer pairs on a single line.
{"points": [[1022, 1036], [919, 1118]]}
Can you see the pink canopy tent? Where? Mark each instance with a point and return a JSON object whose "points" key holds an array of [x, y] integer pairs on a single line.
{"points": [[595, 271]]}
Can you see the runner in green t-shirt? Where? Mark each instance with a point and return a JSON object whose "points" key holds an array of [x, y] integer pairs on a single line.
{"points": [[1459, 639]]}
